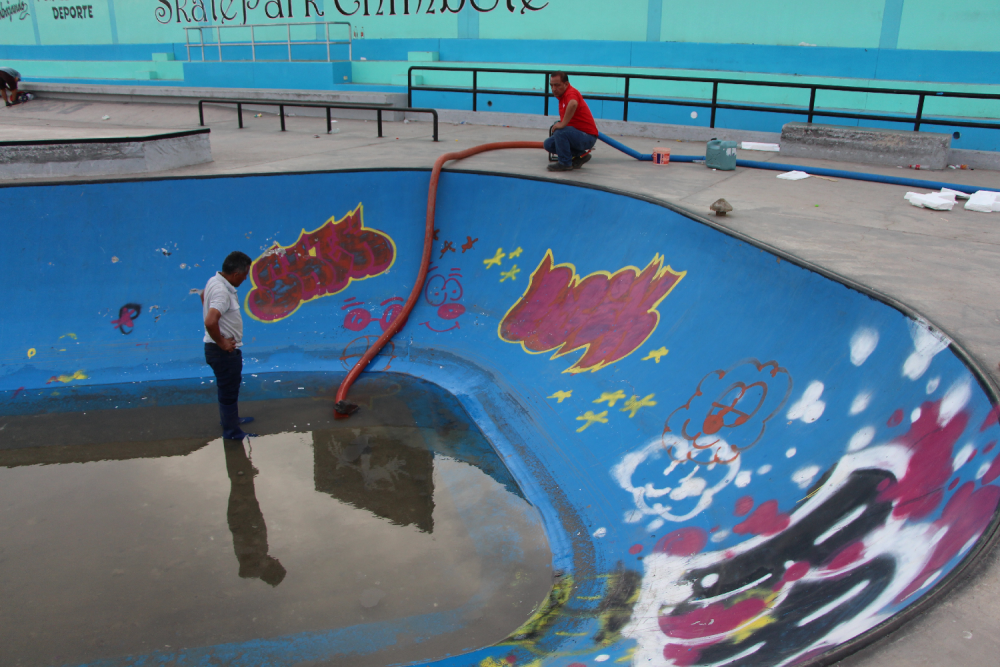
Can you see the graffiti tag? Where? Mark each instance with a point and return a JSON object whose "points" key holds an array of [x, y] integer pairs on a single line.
{"points": [[608, 315], [127, 315], [321, 263]]}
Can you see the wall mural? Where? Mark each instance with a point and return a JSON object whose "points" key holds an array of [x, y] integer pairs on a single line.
{"points": [[608, 315], [321, 263]]}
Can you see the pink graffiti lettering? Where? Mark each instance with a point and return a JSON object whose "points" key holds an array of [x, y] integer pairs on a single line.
{"points": [[608, 315], [321, 263]]}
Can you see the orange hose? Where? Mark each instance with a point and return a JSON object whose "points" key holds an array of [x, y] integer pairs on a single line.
{"points": [[342, 408]]}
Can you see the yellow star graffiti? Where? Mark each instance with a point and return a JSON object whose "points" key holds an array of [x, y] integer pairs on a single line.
{"points": [[495, 259], [517, 253], [611, 398], [632, 405], [562, 395], [656, 354], [591, 418], [512, 274]]}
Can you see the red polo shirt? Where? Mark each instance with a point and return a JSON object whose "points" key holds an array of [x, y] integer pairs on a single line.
{"points": [[582, 120]]}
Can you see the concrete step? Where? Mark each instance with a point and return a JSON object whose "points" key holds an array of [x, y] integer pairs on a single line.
{"points": [[867, 145]]}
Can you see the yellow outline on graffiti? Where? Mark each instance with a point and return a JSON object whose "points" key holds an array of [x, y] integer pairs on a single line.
{"points": [[575, 282], [360, 210]]}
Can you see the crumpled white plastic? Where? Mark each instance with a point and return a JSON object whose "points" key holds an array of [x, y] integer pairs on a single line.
{"points": [[933, 200], [793, 175], [984, 201]]}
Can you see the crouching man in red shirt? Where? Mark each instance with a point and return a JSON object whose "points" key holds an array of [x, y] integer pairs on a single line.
{"points": [[576, 132]]}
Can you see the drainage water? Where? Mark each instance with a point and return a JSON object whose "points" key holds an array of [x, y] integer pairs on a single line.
{"points": [[132, 528]]}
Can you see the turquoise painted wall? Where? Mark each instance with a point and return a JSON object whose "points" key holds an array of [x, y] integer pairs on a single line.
{"points": [[962, 25]]}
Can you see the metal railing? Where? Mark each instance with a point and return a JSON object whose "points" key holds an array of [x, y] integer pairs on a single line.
{"points": [[809, 111], [255, 43], [377, 108]]}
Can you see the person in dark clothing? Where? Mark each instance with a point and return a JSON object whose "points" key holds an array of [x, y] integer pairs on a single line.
{"points": [[576, 132], [224, 338], [9, 78]]}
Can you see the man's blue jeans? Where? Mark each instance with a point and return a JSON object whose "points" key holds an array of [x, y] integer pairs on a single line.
{"points": [[228, 368], [569, 142]]}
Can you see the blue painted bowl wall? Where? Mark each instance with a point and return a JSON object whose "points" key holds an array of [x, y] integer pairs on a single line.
{"points": [[735, 303]]}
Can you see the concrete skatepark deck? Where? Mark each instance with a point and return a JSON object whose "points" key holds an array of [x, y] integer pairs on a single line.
{"points": [[737, 457]]}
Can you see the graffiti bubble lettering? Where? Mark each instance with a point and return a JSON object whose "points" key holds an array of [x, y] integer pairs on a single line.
{"points": [[321, 263], [608, 315]]}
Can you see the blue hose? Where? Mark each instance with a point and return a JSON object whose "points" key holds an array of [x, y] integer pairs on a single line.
{"points": [[816, 171]]}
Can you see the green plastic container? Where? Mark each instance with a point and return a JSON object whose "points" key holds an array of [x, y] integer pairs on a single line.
{"points": [[721, 155]]}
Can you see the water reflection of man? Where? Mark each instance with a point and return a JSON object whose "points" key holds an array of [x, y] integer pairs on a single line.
{"points": [[246, 521]]}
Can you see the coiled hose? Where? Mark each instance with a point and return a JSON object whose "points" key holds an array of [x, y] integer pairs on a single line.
{"points": [[342, 408]]}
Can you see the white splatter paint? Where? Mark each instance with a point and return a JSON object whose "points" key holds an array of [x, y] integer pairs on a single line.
{"points": [[927, 343], [954, 400], [932, 385], [709, 580], [915, 415], [861, 439], [803, 477], [863, 343], [764, 469], [690, 486], [743, 479], [963, 456], [809, 408], [655, 524], [860, 403], [600, 532], [720, 535], [790, 453], [602, 658], [983, 469]]}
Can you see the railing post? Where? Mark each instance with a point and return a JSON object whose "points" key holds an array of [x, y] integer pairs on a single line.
{"points": [[475, 94], [435, 114], [378, 113], [812, 102], [715, 99], [288, 32], [253, 46], [920, 114], [409, 87], [201, 113], [327, 24], [218, 41], [281, 112], [545, 87], [239, 113], [329, 124], [625, 114]]}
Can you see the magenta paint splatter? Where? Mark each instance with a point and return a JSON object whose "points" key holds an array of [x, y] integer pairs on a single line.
{"points": [[953, 484], [989, 447], [714, 619], [896, 419], [743, 506], [849, 554], [635, 548], [682, 542], [765, 520], [991, 418], [682, 656]]}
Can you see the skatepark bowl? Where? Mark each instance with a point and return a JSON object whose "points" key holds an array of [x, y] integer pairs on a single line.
{"points": [[609, 432]]}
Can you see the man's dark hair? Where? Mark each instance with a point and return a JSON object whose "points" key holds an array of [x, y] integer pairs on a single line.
{"points": [[560, 75], [236, 262]]}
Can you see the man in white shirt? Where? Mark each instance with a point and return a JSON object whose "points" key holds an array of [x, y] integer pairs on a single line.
{"points": [[224, 338]]}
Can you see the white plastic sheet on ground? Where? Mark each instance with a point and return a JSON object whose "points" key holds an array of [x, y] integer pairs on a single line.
{"points": [[793, 175]]}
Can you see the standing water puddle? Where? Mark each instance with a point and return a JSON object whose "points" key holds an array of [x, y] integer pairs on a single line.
{"points": [[394, 536]]}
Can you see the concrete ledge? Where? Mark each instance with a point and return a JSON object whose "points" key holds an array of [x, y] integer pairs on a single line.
{"points": [[103, 156], [189, 96], [893, 148]]}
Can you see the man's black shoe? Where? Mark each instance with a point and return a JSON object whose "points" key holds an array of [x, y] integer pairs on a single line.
{"points": [[558, 166], [580, 161]]}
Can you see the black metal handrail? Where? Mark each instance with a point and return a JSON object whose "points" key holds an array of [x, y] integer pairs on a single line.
{"points": [[378, 108], [917, 119]]}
